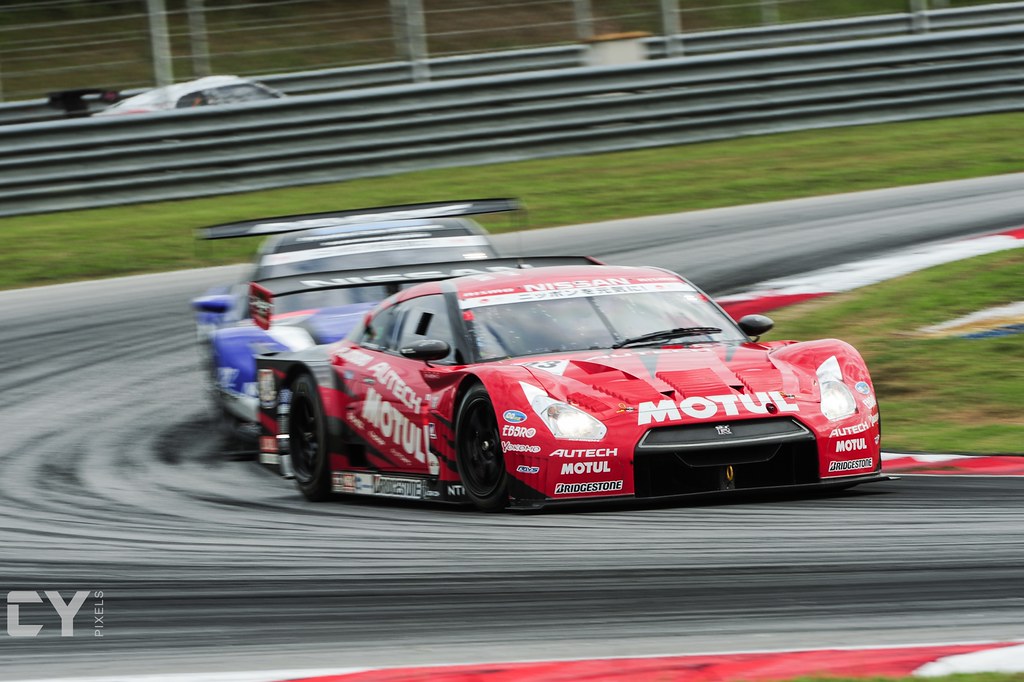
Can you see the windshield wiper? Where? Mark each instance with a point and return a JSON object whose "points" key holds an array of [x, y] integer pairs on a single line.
{"points": [[666, 335]]}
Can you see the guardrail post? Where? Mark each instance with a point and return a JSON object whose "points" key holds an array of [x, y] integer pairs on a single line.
{"points": [[584, 20], [198, 39], [163, 71], [672, 26], [411, 36], [919, 16]]}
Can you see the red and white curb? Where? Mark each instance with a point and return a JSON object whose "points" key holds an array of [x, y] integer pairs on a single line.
{"points": [[778, 293], [944, 465], [749, 666]]}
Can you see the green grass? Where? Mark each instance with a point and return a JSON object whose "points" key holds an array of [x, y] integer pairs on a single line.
{"points": [[935, 394], [68, 246]]}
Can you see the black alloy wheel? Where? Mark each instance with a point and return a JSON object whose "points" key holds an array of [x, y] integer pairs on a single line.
{"points": [[307, 441], [478, 451]]}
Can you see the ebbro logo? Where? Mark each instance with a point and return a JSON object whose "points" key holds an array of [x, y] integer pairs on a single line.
{"points": [[67, 610], [514, 416]]}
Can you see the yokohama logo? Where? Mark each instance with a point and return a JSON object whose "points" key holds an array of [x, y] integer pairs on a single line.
{"points": [[596, 487]]}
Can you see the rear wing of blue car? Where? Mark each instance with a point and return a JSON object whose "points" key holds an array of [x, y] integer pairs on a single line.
{"points": [[307, 221], [263, 292]]}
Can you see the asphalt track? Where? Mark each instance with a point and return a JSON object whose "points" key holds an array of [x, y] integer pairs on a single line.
{"points": [[113, 479]]}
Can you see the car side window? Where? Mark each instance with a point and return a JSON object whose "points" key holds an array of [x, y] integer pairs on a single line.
{"points": [[192, 99], [379, 332], [426, 317]]}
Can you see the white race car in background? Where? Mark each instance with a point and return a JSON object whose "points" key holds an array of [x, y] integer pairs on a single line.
{"points": [[208, 91]]}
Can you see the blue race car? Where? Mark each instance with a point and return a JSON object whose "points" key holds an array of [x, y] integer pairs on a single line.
{"points": [[320, 243]]}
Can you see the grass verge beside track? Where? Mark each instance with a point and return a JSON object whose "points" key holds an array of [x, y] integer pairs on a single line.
{"points": [[935, 394], [70, 246]]}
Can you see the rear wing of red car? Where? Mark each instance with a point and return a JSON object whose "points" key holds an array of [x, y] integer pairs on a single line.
{"points": [[262, 293], [307, 221]]}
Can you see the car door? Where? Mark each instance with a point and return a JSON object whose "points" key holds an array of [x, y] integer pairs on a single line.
{"points": [[391, 399]]}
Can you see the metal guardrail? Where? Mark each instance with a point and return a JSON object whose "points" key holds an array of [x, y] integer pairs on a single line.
{"points": [[380, 131], [567, 56]]}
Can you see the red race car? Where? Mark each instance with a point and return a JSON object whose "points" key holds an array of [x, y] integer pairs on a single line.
{"points": [[526, 383]]}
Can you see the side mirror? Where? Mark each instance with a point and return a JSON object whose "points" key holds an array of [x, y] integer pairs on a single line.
{"points": [[426, 350], [755, 325], [215, 303]]}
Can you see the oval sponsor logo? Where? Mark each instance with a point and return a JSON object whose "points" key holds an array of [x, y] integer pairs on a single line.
{"points": [[862, 387], [514, 416]]}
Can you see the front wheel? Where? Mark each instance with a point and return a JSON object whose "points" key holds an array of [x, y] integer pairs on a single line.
{"points": [[307, 438], [478, 452]]}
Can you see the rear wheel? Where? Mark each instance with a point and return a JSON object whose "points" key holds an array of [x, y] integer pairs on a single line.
{"points": [[307, 439], [478, 452]]}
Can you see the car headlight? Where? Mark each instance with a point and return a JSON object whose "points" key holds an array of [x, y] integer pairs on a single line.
{"points": [[837, 400], [566, 421], [562, 419]]}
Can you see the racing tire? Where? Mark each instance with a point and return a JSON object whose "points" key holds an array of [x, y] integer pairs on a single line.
{"points": [[478, 452], [307, 439]]}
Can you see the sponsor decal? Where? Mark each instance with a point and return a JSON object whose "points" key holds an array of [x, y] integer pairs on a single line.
{"points": [[851, 445], [707, 407], [518, 431], [488, 292], [723, 430], [346, 482], [514, 416], [862, 387], [577, 284], [364, 484], [575, 289], [431, 431], [432, 493], [519, 447], [389, 378], [268, 444], [269, 458], [226, 377], [592, 452], [355, 356], [386, 486], [393, 425], [456, 490], [869, 401], [850, 430], [592, 487], [267, 388], [873, 418], [600, 467], [523, 469], [850, 464]]}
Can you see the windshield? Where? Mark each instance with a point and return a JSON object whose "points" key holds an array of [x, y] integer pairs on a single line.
{"points": [[592, 322], [329, 298], [309, 261]]}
